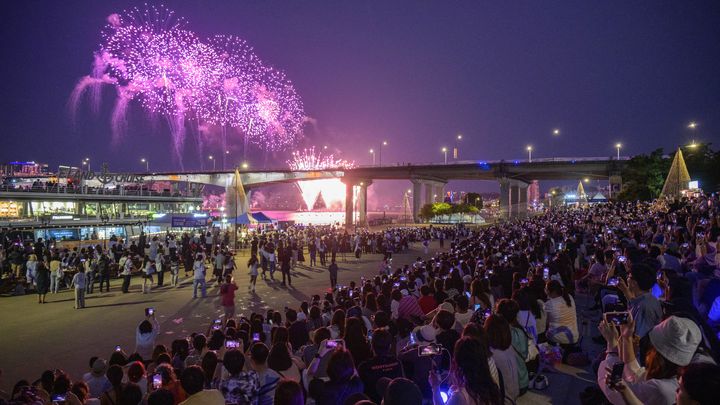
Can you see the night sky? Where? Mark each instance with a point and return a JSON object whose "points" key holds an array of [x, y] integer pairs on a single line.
{"points": [[414, 73]]}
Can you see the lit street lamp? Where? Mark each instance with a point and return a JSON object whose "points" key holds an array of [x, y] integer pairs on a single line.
{"points": [[618, 146], [529, 149], [372, 152], [556, 131], [444, 150], [213, 160], [384, 143], [456, 151], [244, 165], [147, 164]]}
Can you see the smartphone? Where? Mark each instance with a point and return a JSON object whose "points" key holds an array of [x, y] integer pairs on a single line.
{"points": [[233, 344], [616, 318], [58, 398], [616, 373], [396, 285], [333, 343], [524, 281], [350, 293], [216, 326], [118, 348], [477, 307], [659, 275], [429, 350], [149, 311], [467, 293], [546, 273], [256, 337], [157, 381], [369, 336], [622, 259], [643, 246], [412, 338]]}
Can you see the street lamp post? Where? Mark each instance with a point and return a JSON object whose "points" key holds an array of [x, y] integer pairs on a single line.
{"points": [[384, 143], [372, 152], [456, 152], [618, 146], [529, 149], [444, 150], [213, 160], [227, 153], [556, 131], [147, 164]]}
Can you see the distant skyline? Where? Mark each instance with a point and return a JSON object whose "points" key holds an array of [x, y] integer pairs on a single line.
{"points": [[416, 74]]}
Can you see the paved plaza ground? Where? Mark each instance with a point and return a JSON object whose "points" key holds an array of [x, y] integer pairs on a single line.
{"points": [[35, 337]]}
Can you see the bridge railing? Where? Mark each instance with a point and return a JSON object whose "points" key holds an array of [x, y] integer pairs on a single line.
{"points": [[93, 191]]}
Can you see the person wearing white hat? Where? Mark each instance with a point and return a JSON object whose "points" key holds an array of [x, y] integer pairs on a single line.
{"points": [[673, 345]]}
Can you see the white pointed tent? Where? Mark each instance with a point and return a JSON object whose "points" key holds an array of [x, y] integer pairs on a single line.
{"points": [[678, 178], [236, 201], [582, 197]]}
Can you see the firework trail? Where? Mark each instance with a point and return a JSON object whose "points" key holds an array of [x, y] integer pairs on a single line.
{"points": [[152, 58]]}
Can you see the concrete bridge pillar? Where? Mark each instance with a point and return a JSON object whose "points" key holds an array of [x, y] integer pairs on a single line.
{"points": [[504, 198], [417, 199], [522, 191], [349, 212], [513, 198], [362, 202]]}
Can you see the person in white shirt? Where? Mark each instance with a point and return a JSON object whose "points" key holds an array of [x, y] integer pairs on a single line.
{"points": [[79, 282], [199, 276], [561, 315], [127, 266]]}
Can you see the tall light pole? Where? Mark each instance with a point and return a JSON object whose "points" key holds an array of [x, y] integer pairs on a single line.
{"points": [[213, 160], [406, 202], [456, 152], [383, 143], [618, 146], [86, 163], [227, 153], [147, 164], [556, 131], [693, 126], [529, 149], [372, 152], [444, 150]]}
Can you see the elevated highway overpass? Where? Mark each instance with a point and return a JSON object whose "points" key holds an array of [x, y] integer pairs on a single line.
{"points": [[428, 179]]}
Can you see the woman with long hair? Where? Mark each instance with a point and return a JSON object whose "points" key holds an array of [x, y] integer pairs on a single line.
{"points": [[480, 294], [355, 340], [470, 378], [283, 363], [561, 315], [500, 342], [253, 271], [337, 324]]}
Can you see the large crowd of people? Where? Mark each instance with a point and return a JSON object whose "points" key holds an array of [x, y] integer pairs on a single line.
{"points": [[480, 321]]}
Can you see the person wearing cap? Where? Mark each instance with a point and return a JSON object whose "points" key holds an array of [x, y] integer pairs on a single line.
{"points": [[96, 379], [673, 345]]}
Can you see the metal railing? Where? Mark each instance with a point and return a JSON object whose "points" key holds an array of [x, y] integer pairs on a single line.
{"points": [[90, 191]]}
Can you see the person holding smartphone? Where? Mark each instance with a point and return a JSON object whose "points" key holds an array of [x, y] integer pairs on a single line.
{"points": [[673, 345], [146, 334]]}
